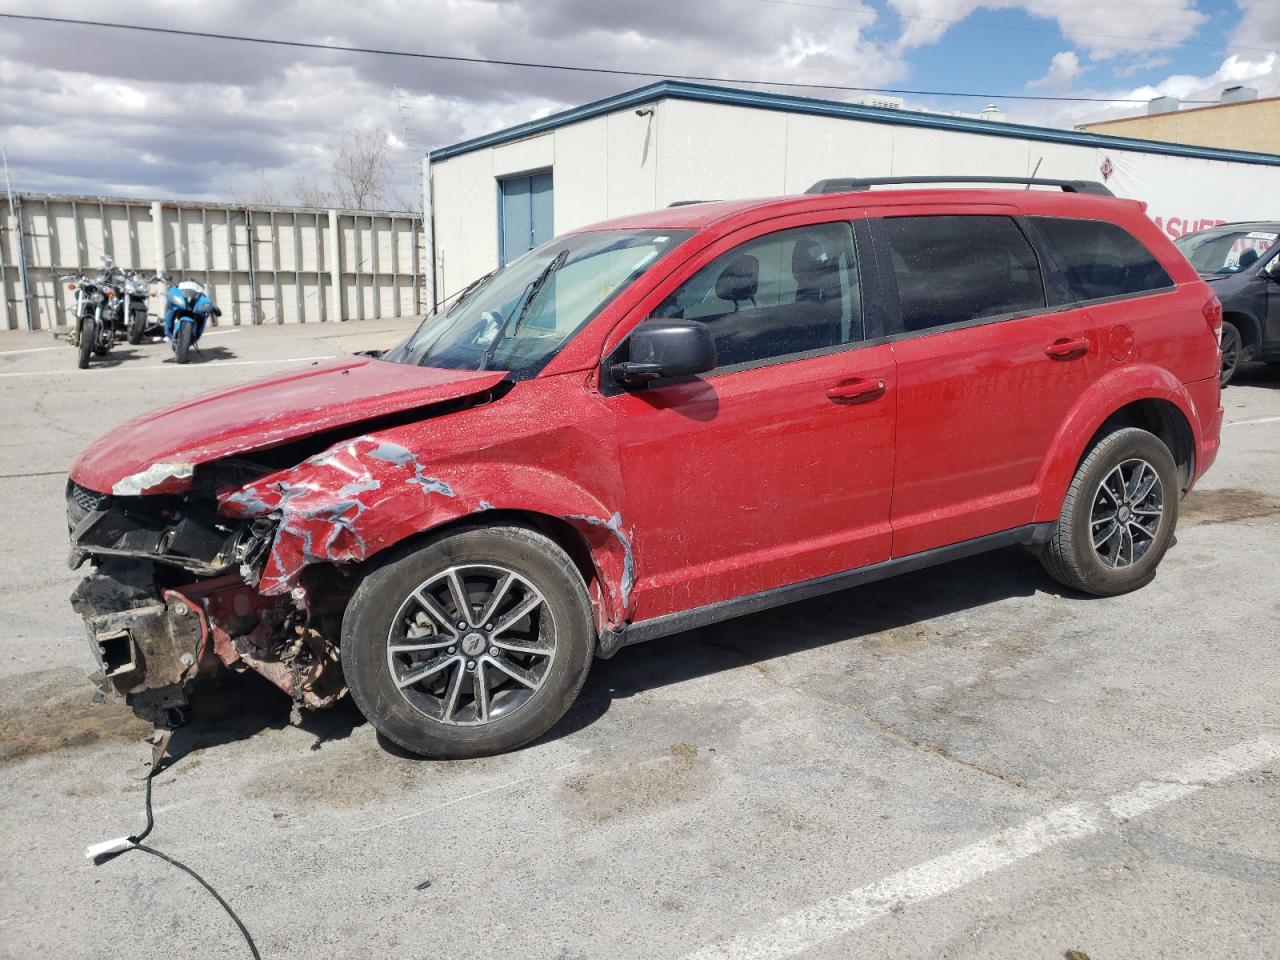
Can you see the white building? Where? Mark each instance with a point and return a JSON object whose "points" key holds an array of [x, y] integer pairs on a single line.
{"points": [[491, 198]]}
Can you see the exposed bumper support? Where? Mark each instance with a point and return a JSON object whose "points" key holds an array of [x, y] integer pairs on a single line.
{"points": [[146, 652]]}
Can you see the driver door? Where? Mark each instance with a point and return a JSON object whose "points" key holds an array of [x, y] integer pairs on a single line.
{"points": [[777, 466]]}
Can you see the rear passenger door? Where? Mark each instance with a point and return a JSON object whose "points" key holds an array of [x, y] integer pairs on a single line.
{"points": [[987, 370]]}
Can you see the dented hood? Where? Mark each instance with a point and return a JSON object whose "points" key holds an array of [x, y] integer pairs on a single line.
{"points": [[159, 451]]}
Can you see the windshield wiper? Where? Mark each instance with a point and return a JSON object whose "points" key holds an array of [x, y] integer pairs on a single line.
{"points": [[534, 288], [466, 291]]}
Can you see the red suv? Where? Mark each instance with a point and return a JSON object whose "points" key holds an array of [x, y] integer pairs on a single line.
{"points": [[656, 423]]}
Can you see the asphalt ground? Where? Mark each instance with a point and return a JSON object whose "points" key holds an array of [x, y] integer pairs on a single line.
{"points": [[961, 762]]}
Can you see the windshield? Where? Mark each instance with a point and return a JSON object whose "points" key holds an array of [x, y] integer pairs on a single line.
{"points": [[518, 317], [1225, 252]]}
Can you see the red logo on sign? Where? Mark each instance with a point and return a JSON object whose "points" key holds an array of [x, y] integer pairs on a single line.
{"points": [[1107, 168]]}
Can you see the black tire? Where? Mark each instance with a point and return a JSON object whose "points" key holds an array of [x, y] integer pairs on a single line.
{"points": [[88, 335], [137, 325], [379, 600], [182, 342], [1070, 556], [1232, 351]]}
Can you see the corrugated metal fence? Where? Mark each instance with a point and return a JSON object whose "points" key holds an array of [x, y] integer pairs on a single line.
{"points": [[261, 264]]}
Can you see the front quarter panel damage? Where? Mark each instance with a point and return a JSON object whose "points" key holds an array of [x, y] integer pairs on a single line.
{"points": [[361, 496]]}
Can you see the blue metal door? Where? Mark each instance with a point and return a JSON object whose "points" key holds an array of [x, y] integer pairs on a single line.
{"points": [[524, 214]]}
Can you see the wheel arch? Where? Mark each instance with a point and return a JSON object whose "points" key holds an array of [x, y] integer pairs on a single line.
{"points": [[1134, 396], [1249, 327], [348, 506], [558, 530]]}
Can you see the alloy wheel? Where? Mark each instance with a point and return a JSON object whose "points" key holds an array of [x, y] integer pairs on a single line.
{"points": [[1230, 352], [471, 645], [1126, 514]]}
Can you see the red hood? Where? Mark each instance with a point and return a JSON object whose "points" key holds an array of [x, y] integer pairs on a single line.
{"points": [[157, 452]]}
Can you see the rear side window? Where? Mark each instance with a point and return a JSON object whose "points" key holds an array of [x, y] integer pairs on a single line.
{"points": [[953, 269], [1099, 259]]}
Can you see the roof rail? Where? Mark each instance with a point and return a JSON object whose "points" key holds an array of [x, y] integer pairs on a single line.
{"points": [[854, 184], [687, 203]]}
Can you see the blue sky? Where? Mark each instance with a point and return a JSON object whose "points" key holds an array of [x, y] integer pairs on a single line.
{"points": [[87, 111]]}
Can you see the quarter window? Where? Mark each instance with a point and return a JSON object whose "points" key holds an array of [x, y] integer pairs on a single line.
{"points": [[785, 293], [1099, 259], [953, 269]]}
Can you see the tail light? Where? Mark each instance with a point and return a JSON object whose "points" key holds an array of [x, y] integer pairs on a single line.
{"points": [[1213, 316]]}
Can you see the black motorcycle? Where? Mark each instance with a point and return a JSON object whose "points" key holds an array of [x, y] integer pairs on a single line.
{"points": [[109, 308]]}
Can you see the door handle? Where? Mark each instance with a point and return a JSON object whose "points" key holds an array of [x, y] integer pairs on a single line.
{"points": [[856, 391], [1068, 349]]}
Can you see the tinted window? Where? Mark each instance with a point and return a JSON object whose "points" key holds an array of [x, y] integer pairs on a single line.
{"points": [[1100, 259], [953, 269], [780, 294]]}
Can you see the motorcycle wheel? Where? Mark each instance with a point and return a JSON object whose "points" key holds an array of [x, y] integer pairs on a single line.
{"points": [[137, 324], [182, 342], [87, 338]]}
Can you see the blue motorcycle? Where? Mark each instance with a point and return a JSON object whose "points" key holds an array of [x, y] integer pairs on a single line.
{"points": [[187, 310]]}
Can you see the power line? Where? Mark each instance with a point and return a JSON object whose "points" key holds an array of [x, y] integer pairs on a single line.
{"points": [[571, 68], [1069, 34]]}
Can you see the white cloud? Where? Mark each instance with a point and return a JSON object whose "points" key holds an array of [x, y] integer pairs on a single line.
{"points": [[1104, 28], [1260, 24], [1258, 70], [87, 110], [83, 106], [1062, 73]]}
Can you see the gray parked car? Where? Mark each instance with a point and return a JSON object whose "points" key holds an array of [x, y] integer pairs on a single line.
{"points": [[1241, 261]]}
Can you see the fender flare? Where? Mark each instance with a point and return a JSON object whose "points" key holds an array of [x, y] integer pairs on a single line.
{"points": [[1112, 392]]}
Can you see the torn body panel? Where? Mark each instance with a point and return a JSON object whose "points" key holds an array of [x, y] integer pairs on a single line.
{"points": [[363, 495]]}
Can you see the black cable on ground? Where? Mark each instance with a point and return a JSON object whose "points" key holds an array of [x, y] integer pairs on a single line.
{"points": [[244, 931], [113, 848]]}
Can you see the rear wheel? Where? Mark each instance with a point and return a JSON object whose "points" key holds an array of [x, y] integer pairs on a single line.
{"points": [[1118, 517], [473, 644], [182, 342], [1232, 348], [88, 335]]}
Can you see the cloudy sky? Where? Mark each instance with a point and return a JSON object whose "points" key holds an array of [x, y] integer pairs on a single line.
{"points": [[96, 111]]}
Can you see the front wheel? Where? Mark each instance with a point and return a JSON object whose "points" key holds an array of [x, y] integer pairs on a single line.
{"points": [[182, 342], [473, 644], [1232, 348], [1118, 516], [88, 339], [137, 324]]}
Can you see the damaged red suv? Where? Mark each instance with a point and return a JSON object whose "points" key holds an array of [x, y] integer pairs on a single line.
{"points": [[652, 424]]}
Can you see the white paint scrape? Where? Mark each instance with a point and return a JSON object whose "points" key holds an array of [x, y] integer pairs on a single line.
{"points": [[809, 926], [137, 484]]}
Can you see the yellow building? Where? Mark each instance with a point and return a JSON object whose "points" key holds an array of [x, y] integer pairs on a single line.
{"points": [[1235, 124]]}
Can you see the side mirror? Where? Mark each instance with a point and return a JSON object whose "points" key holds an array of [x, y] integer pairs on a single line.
{"points": [[666, 348]]}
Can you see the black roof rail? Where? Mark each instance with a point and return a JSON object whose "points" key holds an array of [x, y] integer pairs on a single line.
{"points": [[687, 203], [854, 184]]}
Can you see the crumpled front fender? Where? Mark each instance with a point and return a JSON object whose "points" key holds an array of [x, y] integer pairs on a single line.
{"points": [[361, 496]]}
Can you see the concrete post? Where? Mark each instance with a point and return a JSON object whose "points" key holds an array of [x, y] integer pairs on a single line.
{"points": [[428, 239], [335, 265], [157, 236]]}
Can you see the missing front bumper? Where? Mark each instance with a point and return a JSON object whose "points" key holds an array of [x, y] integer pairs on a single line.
{"points": [[146, 654]]}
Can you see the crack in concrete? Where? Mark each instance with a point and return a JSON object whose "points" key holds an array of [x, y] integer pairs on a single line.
{"points": [[883, 727]]}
